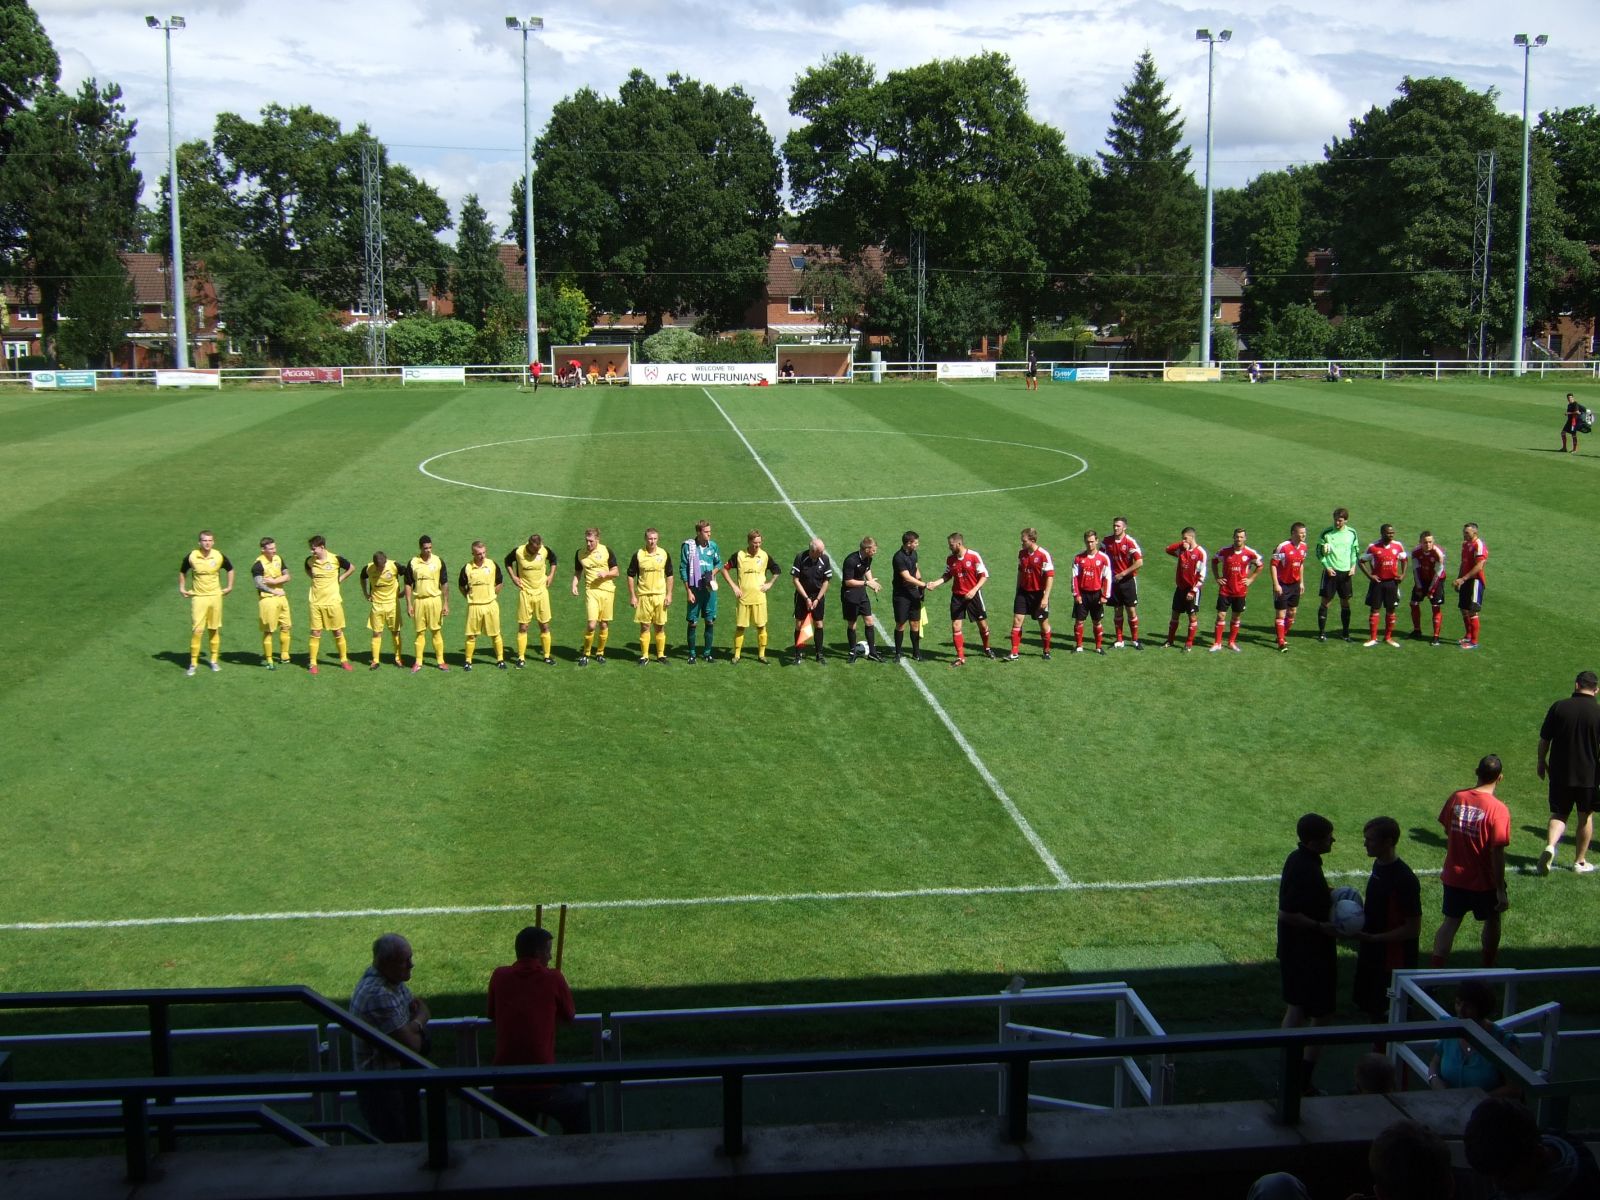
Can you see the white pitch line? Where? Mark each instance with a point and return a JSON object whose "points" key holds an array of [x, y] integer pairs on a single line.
{"points": [[468, 910], [1057, 872]]}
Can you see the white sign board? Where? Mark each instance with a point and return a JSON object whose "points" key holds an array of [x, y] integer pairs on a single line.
{"points": [[188, 379], [965, 370], [702, 374], [432, 375]]}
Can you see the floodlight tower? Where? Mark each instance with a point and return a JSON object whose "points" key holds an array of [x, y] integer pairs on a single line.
{"points": [[1517, 365], [525, 27], [1204, 35], [180, 324]]}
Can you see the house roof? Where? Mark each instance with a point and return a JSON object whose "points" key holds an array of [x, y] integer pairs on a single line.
{"points": [[783, 279], [1228, 283]]}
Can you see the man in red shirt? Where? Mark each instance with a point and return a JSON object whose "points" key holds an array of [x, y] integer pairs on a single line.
{"points": [[1288, 569], [1126, 559], [1091, 591], [1469, 583], [1427, 575], [965, 572], [1036, 576], [1237, 568], [1191, 576], [1477, 830], [1384, 565], [526, 1000]]}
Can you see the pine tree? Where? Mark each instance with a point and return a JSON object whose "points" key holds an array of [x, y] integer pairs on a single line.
{"points": [[477, 281]]}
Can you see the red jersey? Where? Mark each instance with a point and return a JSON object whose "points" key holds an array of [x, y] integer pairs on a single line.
{"points": [[1289, 562], [1475, 822], [1191, 566], [1091, 573], [1472, 553], [1122, 551], [966, 571], [526, 1000], [1386, 560], [1428, 564], [1033, 568], [1235, 565]]}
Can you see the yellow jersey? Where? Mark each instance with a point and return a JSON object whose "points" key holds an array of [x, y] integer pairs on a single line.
{"points": [[325, 574], [205, 570], [383, 586], [752, 568], [592, 564], [478, 582], [532, 569], [650, 569], [425, 576], [267, 568]]}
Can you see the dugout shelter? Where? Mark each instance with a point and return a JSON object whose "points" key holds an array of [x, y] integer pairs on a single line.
{"points": [[816, 362], [600, 356]]}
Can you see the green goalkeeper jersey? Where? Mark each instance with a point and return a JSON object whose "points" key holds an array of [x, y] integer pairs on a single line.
{"points": [[1337, 549]]}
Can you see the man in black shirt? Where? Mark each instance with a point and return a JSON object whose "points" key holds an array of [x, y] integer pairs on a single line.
{"points": [[812, 573], [1388, 940], [907, 593], [1307, 951], [858, 586], [1569, 750]]}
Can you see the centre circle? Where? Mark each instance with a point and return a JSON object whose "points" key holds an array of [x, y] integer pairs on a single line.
{"points": [[445, 473]]}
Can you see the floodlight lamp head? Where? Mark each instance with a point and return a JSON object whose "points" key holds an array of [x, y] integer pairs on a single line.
{"points": [[1225, 36], [1520, 39], [537, 25], [152, 23], [177, 22], [1542, 39], [1202, 35], [513, 23]]}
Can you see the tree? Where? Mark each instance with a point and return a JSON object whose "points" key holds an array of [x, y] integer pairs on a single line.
{"points": [[1145, 256], [478, 281], [28, 67], [673, 344], [430, 341], [1571, 137], [1299, 331], [1269, 223], [100, 312], [275, 322], [565, 313], [662, 200], [947, 153]]}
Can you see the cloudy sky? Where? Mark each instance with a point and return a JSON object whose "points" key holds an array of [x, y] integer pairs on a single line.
{"points": [[440, 81]]}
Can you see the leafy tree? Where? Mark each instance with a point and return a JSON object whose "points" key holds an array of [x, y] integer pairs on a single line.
{"points": [[1299, 331], [565, 315], [1571, 136], [100, 312], [662, 200], [502, 338], [671, 345], [1224, 342], [1149, 211], [430, 341], [1272, 227], [274, 322], [28, 68], [478, 281], [1356, 337]]}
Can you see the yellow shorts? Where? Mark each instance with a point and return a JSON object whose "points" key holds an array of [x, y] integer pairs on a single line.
{"points": [[483, 620], [599, 604], [205, 612], [752, 611], [533, 607], [427, 610], [381, 619], [651, 610], [326, 616], [273, 612]]}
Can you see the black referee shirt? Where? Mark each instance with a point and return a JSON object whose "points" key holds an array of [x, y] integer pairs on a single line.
{"points": [[1572, 727], [906, 560], [856, 566], [812, 572]]}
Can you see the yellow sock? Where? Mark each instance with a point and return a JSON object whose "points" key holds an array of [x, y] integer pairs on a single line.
{"points": [[600, 646], [419, 645], [661, 643], [377, 648], [761, 641], [438, 646], [344, 648], [472, 644], [588, 642], [738, 642], [266, 646], [499, 649], [544, 642], [522, 643], [316, 647], [216, 643], [644, 641], [283, 644], [194, 648], [397, 652]]}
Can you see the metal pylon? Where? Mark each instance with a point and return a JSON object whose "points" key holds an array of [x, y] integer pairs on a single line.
{"points": [[372, 209], [1482, 219]]}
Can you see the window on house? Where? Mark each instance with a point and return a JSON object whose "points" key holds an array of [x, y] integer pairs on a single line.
{"points": [[800, 304], [15, 350], [27, 312], [798, 262], [359, 309], [1556, 343]]}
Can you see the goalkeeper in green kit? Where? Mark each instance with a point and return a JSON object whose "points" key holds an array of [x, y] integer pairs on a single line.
{"points": [[1337, 550]]}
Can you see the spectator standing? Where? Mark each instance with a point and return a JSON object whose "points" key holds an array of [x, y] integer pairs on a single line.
{"points": [[1569, 753], [1477, 830], [384, 1001], [1307, 951], [527, 999]]}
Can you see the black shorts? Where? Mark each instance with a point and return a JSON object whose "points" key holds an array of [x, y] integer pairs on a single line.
{"points": [[1234, 604], [1029, 604], [1469, 596], [1458, 902], [1093, 605], [1125, 592], [1185, 602], [801, 608], [907, 608], [1031, 372], [855, 609], [1336, 583], [1311, 984], [1564, 798], [1288, 597], [1383, 593], [963, 608], [1433, 593]]}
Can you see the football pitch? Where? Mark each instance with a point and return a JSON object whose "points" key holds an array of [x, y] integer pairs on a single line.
{"points": [[742, 832]]}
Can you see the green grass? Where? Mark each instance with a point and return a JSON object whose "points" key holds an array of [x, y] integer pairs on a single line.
{"points": [[134, 792]]}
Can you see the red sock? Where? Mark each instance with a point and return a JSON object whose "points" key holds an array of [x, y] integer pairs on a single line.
{"points": [[1288, 619], [1133, 625], [1218, 641], [1372, 625], [1282, 629], [1193, 625], [1416, 619], [1233, 634], [1438, 621], [1016, 641], [1388, 626], [1116, 620], [1472, 622], [984, 634], [1099, 636], [1047, 639], [1172, 631], [1077, 634], [961, 646]]}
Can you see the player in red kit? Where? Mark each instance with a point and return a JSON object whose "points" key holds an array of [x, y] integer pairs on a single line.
{"points": [[1288, 567], [1237, 568], [965, 572], [1091, 591], [1427, 576], [1469, 583], [1384, 565], [1126, 559], [1036, 576], [1191, 558]]}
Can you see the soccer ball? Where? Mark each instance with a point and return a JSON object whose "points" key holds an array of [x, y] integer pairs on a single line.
{"points": [[1349, 917], [859, 649], [1346, 893]]}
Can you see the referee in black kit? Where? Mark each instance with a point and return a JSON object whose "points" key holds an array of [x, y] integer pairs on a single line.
{"points": [[812, 573], [1569, 752]]}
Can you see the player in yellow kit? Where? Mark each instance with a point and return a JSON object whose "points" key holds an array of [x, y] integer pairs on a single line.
{"points": [[204, 567], [531, 567], [427, 602], [750, 573], [480, 582], [380, 584], [650, 589], [327, 572], [270, 577], [597, 567]]}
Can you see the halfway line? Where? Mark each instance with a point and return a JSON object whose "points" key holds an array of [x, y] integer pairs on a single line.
{"points": [[1057, 872]]}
